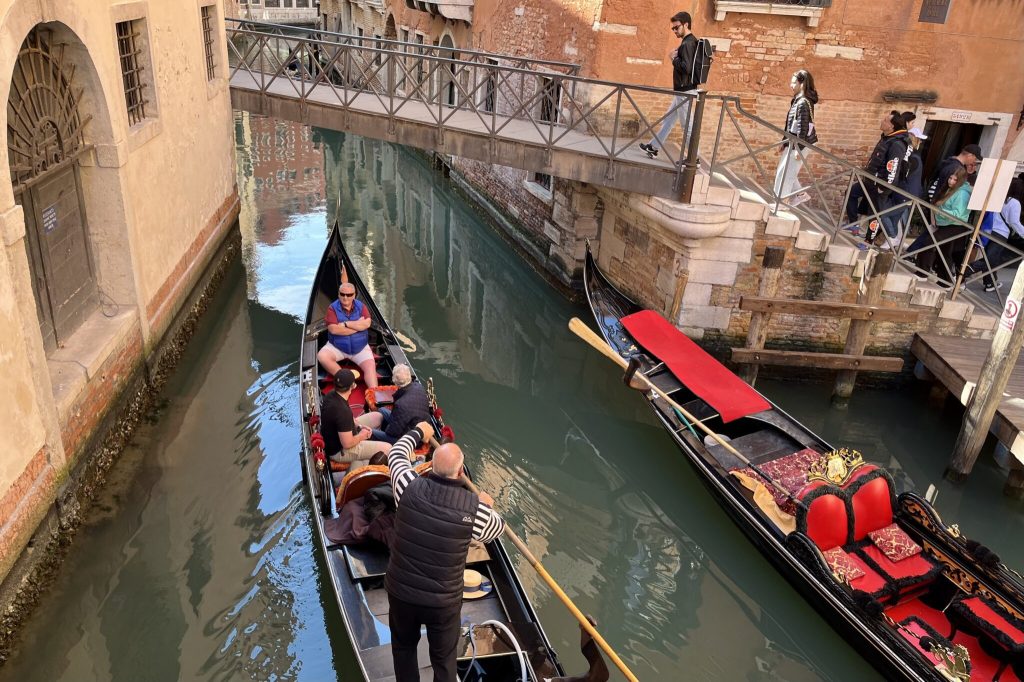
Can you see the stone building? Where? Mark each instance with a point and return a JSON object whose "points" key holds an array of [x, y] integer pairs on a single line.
{"points": [[119, 192]]}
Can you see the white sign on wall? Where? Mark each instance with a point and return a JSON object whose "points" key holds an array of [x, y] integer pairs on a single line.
{"points": [[992, 185]]}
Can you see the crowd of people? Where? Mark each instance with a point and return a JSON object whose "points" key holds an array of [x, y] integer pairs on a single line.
{"points": [[937, 240]]}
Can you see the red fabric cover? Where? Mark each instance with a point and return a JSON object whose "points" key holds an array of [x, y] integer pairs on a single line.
{"points": [[894, 542], [826, 519], [872, 505], [842, 564], [916, 566], [915, 638], [789, 471], [986, 613], [870, 582], [708, 378]]}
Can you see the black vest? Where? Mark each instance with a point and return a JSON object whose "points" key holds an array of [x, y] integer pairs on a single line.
{"points": [[411, 407], [432, 532]]}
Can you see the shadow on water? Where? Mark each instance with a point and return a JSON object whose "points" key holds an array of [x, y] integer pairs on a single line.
{"points": [[198, 563]]}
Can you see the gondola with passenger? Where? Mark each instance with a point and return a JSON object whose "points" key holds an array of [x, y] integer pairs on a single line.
{"points": [[502, 638], [917, 598]]}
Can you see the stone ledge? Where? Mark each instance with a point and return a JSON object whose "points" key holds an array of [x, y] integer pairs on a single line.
{"points": [[956, 310], [685, 220], [839, 254], [723, 196], [982, 321], [811, 240], [706, 317], [712, 272], [783, 225], [928, 295], [899, 283]]}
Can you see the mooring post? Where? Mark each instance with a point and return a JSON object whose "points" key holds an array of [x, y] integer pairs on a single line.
{"points": [[995, 374], [1014, 486], [857, 337], [771, 274]]}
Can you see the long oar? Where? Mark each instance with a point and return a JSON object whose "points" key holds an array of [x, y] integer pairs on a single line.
{"points": [[587, 334], [535, 562]]}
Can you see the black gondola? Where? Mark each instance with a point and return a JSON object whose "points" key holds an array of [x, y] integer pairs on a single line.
{"points": [[917, 598], [502, 638]]}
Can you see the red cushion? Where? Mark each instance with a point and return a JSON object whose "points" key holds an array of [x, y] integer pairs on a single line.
{"points": [[842, 564], [826, 519], [992, 617], [894, 542], [872, 506], [870, 582], [917, 566]]}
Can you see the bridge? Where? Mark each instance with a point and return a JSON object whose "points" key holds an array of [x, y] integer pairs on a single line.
{"points": [[531, 114]]}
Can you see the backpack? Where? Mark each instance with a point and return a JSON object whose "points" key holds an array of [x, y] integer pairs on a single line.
{"points": [[702, 58]]}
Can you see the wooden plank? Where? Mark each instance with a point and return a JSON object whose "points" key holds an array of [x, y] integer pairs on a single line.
{"points": [[869, 294], [853, 311], [797, 358]]}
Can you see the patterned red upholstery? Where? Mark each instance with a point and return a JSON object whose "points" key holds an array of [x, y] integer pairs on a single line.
{"points": [[870, 582], [908, 575]]}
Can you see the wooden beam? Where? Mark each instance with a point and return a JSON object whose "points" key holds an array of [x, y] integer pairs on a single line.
{"points": [[771, 273], [799, 358], [853, 311], [870, 293]]}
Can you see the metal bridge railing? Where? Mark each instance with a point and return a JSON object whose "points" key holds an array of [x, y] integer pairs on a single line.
{"points": [[747, 150], [452, 88]]}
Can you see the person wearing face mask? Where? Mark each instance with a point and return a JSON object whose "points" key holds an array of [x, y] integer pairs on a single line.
{"points": [[799, 122], [887, 163]]}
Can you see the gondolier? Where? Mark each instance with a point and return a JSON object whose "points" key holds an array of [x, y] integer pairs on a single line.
{"points": [[436, 520]]}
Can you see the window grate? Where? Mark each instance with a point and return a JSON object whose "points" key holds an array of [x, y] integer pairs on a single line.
{"points": [[934, 11], [211, 65], [131, 70]]}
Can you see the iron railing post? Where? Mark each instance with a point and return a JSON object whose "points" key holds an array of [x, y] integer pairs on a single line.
{"points": [[692, 154]]}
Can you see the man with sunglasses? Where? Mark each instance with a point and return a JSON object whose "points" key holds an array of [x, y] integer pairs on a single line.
{"points": [[968, 159], [347, 337], [683, 81]]}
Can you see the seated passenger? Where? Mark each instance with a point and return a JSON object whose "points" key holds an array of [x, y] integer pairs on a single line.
{"points": [[347, 337], [411, 406], [347, 439]]}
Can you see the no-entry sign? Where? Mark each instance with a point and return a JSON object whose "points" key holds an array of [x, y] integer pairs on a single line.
{"points": [[1010, 313]]}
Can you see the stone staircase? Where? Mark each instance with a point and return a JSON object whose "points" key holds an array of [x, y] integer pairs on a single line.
{"points": [[810, 233]]}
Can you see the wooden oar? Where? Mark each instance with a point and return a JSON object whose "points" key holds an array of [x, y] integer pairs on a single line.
{"points": [[581, 330], [535, 562]]}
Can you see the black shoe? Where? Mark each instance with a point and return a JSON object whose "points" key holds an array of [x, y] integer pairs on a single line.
{"points": [[651, 150]]}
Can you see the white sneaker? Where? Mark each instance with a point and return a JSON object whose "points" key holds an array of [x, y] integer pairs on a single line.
{"points": [[799, 199]]}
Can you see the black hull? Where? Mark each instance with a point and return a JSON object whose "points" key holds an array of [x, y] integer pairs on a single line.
{"points": [[797, 560], [356, 574]]}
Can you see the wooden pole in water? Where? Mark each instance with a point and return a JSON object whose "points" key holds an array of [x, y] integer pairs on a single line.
{"points": [[562, 596], [870, 293], [771, 273], [995, 374]]}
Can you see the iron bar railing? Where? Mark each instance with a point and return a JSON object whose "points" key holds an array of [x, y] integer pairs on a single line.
{"points": [[450, 88], [749, 152]]}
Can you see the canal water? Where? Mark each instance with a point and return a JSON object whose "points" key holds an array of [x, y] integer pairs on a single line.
{"points": [[197, 562]]}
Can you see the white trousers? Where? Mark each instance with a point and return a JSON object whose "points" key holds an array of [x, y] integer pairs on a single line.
{"points": [[787, 180]]}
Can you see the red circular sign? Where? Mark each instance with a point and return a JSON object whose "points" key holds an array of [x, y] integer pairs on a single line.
{"points": [[1012, 308]]}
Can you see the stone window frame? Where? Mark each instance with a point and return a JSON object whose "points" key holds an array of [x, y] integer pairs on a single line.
{"points": [[811, 13], [928, 6], [537, 189], [218, 84], [138, 13]]}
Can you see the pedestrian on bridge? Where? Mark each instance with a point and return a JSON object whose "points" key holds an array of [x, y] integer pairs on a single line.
{"points": [[684, 81], [799, 122]]}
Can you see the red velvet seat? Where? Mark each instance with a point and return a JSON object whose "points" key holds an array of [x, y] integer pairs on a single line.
{"points": [[1000, 632]]}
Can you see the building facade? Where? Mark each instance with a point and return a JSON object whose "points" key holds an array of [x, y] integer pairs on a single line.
{"points": [[119, 190]]}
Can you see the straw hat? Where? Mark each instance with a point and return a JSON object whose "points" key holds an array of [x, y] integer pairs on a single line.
{"points": [[476, 585]]}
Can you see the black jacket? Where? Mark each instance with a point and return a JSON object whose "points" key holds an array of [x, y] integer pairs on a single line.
{"points": [[800, 119], [411, 407], [946, 168], [433, 528], [888, 157], [682, 78], [914, 182]]}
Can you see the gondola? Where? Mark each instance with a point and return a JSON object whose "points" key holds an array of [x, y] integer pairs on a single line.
{"points": [[916, 597], [502, 638]]}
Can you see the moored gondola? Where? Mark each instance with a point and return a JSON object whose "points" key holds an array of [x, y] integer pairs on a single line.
{"points": [[917, 598], [502, 639]]}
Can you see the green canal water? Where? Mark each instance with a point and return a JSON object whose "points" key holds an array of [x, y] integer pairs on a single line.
{"points": [[198, 561]]}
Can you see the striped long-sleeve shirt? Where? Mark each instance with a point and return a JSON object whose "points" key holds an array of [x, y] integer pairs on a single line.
{"points": [[487, 524]]}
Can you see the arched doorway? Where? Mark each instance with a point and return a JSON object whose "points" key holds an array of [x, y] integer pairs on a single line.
{"points": [[44, 142], [449, 91]]}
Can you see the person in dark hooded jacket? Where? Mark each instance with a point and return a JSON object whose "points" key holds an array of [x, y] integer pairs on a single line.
{"points": [[886, 163], [799, 122]]}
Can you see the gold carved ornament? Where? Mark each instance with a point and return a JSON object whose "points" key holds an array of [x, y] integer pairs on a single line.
{"points": [[835, 467]]}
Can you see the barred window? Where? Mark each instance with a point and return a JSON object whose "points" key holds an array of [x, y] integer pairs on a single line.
{"points": [[128, 34], [207, 16], [542, 179], [934, 11]]}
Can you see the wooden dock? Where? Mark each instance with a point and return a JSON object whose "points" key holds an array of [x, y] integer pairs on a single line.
{"points": [[956, 364]]}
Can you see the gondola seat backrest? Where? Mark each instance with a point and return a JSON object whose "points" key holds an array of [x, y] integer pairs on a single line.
{"points": [[872, 500], [822, 515]]}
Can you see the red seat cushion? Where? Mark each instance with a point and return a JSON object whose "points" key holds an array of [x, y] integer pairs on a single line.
{"points": [[871, 500], [909, 574], [823, 516], [995, 620], [867, 578]]}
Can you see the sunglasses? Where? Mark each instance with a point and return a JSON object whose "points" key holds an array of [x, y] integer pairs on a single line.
{"points": [[346, 295], [676, 27]]}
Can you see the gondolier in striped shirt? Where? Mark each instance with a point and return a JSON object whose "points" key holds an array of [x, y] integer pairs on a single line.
{"points": [[437, 517]]}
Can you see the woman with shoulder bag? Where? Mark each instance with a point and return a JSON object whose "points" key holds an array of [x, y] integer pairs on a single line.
{"points": [[799, 122]]}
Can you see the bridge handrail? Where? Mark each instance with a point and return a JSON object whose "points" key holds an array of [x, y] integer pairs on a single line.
{"points": [[371, 41], [889, 201]]}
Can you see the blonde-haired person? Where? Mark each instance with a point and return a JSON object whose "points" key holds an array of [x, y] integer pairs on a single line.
{"points": [[799, 122]]}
